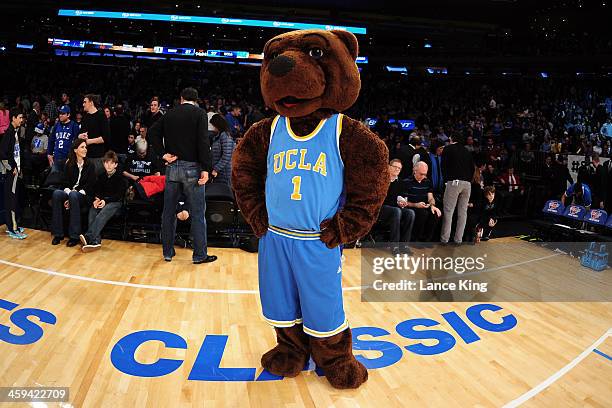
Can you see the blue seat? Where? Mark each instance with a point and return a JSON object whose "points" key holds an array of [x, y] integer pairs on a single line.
{"points": [[596, 217], [609, 222], [574, 212], [553, 207]]}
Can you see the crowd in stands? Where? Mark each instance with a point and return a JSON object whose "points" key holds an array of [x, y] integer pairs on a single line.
{"points": [[517, 132]]}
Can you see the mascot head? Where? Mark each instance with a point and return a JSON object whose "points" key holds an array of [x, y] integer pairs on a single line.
{"points": [[307, 70]]}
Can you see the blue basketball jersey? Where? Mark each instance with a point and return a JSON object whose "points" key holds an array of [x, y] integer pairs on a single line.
{"points": [[305, 174]]}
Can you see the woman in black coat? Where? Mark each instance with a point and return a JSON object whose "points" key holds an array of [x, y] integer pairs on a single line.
{"points": [[78, 184]]}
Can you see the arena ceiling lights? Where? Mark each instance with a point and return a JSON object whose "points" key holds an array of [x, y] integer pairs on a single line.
{"points": [[204, 20]]}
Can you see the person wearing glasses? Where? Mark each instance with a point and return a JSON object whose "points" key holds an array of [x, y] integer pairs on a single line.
{"points": [[395, 212]]}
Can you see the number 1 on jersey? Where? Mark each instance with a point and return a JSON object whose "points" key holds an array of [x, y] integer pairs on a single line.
{"points": [[297, 182]]}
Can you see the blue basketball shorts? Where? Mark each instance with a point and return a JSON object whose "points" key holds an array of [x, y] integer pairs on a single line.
{"points": [[300, 281]]}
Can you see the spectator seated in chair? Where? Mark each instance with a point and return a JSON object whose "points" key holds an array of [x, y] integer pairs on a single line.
{"points": [[138, 166], [76, 192], [109, 191], [395, 212], [513, 190], [419, 195]]}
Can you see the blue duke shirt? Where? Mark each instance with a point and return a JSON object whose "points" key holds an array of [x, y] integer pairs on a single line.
{"points": [[61, 139]]}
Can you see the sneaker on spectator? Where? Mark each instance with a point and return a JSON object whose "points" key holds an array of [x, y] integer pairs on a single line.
{"points": [[91, 247], [83, 239], [17, 235], [21, 230]]}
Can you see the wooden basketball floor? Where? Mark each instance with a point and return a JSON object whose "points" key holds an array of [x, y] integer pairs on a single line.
{"points": [[558, 354]]}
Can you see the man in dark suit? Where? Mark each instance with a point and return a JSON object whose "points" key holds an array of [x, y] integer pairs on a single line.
{"points": [[181, 138], [410, 154]]}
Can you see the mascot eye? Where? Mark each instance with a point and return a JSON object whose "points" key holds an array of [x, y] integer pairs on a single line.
{"points": [[315, 53], [272, 55]]}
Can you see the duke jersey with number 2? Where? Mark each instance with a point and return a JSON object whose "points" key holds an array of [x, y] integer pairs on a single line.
{"points": [[305, 176]]}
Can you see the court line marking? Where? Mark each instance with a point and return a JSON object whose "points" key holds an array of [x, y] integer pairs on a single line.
{"points": [[132, 285], [601, 353], [546, 383], [204, 290]]}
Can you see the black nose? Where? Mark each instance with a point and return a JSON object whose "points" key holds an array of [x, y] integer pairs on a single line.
{"points": [[281, 65]]}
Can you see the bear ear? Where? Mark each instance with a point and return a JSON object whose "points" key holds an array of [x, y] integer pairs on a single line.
{"points": [[349, 40]]}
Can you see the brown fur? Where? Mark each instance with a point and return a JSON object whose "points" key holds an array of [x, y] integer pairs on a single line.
{"points": [[334, 355], [331, 82], [290, 354], [319, 87]]}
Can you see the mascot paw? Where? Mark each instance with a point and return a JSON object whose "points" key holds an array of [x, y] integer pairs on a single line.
{"points": [[260, 230], [328, 235], [291, 353], [283, 361], [334, 355], [347, 374]]}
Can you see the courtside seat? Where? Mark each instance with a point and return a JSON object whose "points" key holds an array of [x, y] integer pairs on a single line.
{"points": [[609, 223], [570, 224], [574, 212], [219, 192], [596, 217], [220, 206], [143, 220], [551, 215], [221, 215]]}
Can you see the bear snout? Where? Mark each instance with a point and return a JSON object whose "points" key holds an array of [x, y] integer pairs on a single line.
{"points": [[281, 65]]}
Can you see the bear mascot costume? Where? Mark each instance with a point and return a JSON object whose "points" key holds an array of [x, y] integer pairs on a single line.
{"points": [[308, 181]]}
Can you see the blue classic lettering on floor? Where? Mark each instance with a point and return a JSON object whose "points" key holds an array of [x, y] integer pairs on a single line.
{"points": [[122, 355], [206, 367], [207, 364], [32, 332]]}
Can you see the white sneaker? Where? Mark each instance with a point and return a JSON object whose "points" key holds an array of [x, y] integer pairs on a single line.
{"points": [[91, 247]]}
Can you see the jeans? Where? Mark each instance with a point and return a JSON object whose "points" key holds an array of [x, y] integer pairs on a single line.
{"points": [[11, 201], [424, 224], [400, 221], [76, 200], [457, 194], [182, 177], [98, 217]]}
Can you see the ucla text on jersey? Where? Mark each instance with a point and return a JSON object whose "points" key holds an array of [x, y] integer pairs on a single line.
{"points": [[305, 174]]}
